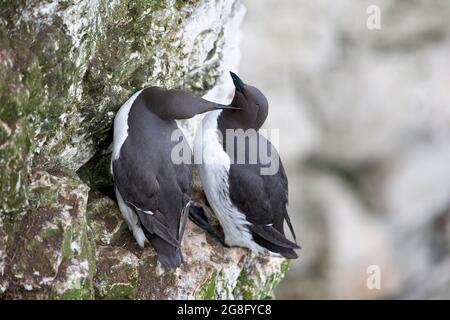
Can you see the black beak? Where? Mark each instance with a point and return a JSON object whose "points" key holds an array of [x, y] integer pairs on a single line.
{"points": [[238, 83], [224, 106]]}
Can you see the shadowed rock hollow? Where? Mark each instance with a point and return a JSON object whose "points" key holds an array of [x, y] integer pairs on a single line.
{"points": [[65, 69]]}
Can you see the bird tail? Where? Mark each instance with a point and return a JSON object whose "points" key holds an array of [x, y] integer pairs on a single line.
{"points": [[288, 253], [274, 240], [164, 239], [168, 255]]}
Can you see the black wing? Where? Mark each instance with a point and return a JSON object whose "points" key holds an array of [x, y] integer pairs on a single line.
{"points": [[140, 190], [263, 199]]}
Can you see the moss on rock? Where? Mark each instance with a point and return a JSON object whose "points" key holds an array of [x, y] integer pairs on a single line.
{"points": [[254, 284], [208, 288], [48, 253], [117, 273]]}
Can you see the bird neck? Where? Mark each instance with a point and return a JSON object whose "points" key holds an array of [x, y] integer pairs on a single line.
{"points": [[239, 119]]}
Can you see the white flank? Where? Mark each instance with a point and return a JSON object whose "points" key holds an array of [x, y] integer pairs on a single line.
{"points": [[131, 219], [120, 135], [214, 169], [121, 126]]}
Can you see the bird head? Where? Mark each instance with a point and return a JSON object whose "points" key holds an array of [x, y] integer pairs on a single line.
{"points": [[249, 103]]}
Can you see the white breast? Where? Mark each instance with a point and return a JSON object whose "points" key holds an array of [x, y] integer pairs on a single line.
{"points": [[131, 219], [214, 169], [120, 135], [121, 126]]}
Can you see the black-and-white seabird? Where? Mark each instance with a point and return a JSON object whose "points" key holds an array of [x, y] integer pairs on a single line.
{"points": [[152, 191], [250, 207]]}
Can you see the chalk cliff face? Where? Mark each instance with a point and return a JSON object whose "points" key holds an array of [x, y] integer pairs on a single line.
{"points": [[65, 69]]}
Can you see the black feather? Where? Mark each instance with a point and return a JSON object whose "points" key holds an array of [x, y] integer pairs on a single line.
{"points": [[183, 221], [156, 226], [288, 221], [285, 252], [262, 199], [198, 216], [270, 234]]}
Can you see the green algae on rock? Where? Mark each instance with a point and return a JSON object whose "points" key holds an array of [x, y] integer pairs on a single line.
{"points": [[49, 254]]}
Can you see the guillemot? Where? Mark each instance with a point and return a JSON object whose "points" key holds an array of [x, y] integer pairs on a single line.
{"points": [[153, 191], [250, 206]]}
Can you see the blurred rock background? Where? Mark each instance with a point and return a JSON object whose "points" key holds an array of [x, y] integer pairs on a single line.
{"points": [[364, 119]]}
